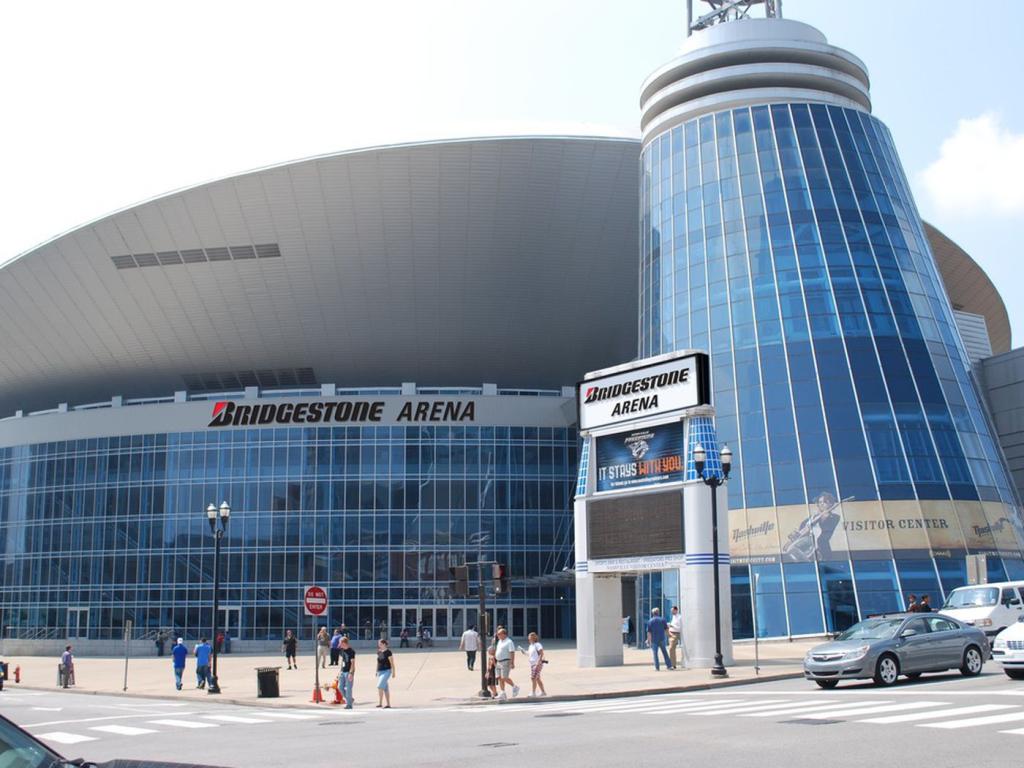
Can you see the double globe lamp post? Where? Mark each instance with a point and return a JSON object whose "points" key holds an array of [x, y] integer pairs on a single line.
{"points": [[714, 480], [218, 534]]}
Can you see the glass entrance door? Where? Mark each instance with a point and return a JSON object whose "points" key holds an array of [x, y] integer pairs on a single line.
{"points": [[78, 623], [230, 622]]}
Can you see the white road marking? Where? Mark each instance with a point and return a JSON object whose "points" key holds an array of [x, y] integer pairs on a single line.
{"points": [[48, 709], [76, 721], [121, 730], [701, 708], [970, 722], [868, 710], [974, 710], [645, 707], [184, 723], [62, 737], [759, 707], [808, 706], [291, 715], [236, 719]]}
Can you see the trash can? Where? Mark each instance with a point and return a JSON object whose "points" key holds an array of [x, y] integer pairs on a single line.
{"points": [[267, 685]]}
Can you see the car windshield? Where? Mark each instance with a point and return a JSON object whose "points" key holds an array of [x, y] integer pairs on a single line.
{"points": [[972, 597], [872, 629], [17, 750]]}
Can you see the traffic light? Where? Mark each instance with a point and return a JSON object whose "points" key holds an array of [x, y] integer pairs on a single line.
{"points": [[499, 578], [459, 585]]}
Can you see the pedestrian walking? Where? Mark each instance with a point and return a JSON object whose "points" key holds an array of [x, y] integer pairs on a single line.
{"points": [[537, 662], [227, 641], [179, 654], [675, 636], [385, 673], [347, 657], [202, 653], [67, 667], [335, 646], [289, 645], [470, 643], [491, 679], [367, 630], [926, 605], [161, 642], [323, 647], [912, 606], [625, 630], [657, 628], [403, 638], [219, 642], [505, 656]]}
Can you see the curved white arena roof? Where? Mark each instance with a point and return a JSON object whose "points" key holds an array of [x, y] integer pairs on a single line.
{"points": [[506, 260]]}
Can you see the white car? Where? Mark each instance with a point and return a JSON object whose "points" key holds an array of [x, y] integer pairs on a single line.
{"points": [[989, 607], [1008, 650]]}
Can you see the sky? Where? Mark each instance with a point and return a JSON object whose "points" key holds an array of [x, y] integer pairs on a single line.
{"points": [[104, 104]]}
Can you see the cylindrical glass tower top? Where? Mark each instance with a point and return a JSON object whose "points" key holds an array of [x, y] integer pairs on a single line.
{"points": [[779, 233]]}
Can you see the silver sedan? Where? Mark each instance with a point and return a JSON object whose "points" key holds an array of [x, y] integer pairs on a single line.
{"points": [[884, 647]]}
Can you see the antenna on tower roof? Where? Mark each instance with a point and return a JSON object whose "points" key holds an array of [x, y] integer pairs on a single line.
{"points": [[728, 10]]}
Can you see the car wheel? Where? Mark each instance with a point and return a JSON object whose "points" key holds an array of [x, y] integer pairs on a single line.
{"points": [[972, 662], [1014, 674], [827, 683], [913, 675], [887, 670]]}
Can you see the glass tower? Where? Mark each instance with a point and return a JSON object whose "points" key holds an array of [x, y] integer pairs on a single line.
{"points": [[779, 233]]}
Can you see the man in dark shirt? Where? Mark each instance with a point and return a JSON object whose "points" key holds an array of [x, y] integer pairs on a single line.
{"points": [[926, 605], [657, 629], [912, 604], [347, 657]]}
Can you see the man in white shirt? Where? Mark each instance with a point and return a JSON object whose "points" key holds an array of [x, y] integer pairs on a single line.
{"points": [[675, 636], [505, 656], [470, 643]]}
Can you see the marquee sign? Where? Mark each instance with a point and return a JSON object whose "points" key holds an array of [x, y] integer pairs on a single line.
{"points": [[647, 390], [640, 457]]}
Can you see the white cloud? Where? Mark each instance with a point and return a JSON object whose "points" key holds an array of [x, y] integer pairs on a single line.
{"points": [[979, 170]]}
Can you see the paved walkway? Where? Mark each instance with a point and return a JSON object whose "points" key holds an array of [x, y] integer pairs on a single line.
{"points": [[427, 677]]}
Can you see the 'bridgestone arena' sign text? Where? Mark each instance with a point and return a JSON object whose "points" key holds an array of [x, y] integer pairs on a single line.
{"points": [[647, 390], [230, 414]]}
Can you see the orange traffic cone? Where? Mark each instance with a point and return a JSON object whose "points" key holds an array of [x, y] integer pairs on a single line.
{"points": [[337, 696], [317, 696]]}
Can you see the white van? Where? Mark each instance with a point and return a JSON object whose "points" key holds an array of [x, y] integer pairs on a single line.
{"points": [[1008, 650], [989, 607]]}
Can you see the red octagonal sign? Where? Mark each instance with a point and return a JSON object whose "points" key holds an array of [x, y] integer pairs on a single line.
{"points": [[315, 601]]}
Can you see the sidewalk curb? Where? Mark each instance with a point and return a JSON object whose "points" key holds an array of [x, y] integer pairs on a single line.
{"points": [[728, 683]]}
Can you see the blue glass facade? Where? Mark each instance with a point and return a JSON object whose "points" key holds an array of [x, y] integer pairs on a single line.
{"points": [[784, 240], [97, 531]]}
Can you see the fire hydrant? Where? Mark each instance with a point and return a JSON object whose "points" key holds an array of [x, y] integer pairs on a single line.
{"points": [[17, 674]]}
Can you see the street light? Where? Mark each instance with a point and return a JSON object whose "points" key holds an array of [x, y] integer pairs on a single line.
{"points": [[699, 459], [218, 534]]}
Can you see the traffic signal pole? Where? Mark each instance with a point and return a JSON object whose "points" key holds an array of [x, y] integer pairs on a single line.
{"points": [[484, 692]]}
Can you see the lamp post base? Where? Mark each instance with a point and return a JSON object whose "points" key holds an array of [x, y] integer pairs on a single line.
{"points": [[719, 669], [214, 686], [484, 694]]}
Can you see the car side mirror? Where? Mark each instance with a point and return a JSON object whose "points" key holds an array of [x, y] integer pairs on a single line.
{"points": [[908, 633], [1013, 601]]}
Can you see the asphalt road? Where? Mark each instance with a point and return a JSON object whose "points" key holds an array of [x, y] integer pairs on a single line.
{"points": [[938, 721]]}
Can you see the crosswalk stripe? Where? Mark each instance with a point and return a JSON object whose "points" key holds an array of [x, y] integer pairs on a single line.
{"points": [[682, 709], [868, 710], [236, 719], [954, 712], [63, 737], [291, 715], [122, 730], [617, 705], [750, 707], [970, 722], [183, 723], [651, 705], [806, 707], [1015, 732], [710, 709]]}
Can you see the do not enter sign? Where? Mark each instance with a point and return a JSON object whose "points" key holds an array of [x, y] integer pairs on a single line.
{"points": [[315, 601]]}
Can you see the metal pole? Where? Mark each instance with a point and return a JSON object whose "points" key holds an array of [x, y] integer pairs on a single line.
{"points": [[718, 670], [689, 17], [127, 639], [757, 658], [214, 686], [484, 693]]}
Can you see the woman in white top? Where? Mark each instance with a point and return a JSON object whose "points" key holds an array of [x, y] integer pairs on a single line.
{"points": [[536, 651]]}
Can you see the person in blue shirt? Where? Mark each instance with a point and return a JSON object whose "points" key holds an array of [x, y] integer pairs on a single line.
{"points": [[179, 653], [202, 652], [657, 628]]}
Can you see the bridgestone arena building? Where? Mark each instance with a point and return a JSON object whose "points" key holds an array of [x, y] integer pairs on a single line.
{"points": [[371, 356]]}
